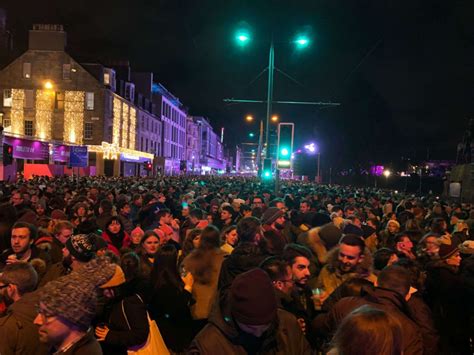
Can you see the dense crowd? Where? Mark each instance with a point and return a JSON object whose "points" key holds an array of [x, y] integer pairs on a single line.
{"points": [[225, 265]]}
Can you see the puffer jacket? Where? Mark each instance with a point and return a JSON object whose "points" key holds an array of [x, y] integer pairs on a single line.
{"points": [[221, 336]]}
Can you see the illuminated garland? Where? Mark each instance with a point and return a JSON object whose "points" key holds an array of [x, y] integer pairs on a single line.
{"points": [[133, 127], [17, 119], [125, 115], [74, 116], [44, 113], [116, 122]]}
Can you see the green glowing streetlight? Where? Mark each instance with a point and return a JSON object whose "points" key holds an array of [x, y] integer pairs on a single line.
{"points": [[251, 135], [242, 37], [302, 41]]}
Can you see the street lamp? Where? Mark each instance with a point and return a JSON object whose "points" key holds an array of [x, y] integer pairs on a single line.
{"points": [[249, 118], [387, 173], [243, 37], [48, 85], [312, 148], [274, 118]]}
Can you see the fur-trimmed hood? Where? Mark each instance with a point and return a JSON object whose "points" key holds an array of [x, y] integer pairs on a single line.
{"points": [[364, 268]]}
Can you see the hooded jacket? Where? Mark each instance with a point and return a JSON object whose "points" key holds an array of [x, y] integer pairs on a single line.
{"points": [[222, 336], [387, 300], [331, 277]]}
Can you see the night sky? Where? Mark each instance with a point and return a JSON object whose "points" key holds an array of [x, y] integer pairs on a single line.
{"points": [[402, 70]]}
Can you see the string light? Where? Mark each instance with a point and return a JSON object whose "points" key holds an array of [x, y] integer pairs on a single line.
{"points": [[133, 125], [116, 121], [74, 116], [17, 120], [125, 116], [44, 113], [112, 151]]}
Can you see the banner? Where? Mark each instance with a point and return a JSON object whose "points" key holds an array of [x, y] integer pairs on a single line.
{"points": [[133, 158], [26, 149], [78, 156], [60, 153]]}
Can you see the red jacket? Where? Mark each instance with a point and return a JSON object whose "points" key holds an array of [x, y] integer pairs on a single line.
{"points": [[125, 242]]}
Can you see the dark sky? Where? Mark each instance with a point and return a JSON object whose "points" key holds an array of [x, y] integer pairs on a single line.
{"points": [[402, 70]]}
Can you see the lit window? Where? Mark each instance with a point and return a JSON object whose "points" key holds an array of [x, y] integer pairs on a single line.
{"points": [[107, 78], [7, 98], [89, 101], [27, 70], [59, 101]]}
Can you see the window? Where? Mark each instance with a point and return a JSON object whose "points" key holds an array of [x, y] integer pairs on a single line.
{"points": [[29, 99], [28, 128], [26, 70], [88, 128], [89, 101], [141, 144], [66, 71], [7, 98], [59, 101], [7, 122], [107, 78]]}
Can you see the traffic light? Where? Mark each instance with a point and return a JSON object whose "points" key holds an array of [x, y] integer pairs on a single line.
{"points": [[267, 169], [148, 165], [285, 145], [7, 154]]}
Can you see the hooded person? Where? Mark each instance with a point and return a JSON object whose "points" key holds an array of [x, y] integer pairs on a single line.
{"points": [[68, 305], [248, 325]]}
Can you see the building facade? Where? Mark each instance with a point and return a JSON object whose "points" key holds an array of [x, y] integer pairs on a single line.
{"points": [[48, 97], [193, 163], [211, 148]]}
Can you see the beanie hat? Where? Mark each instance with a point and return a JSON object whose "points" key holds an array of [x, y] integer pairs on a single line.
{"points": [[73, 297], [117, 279], [82, 246], [353, 229], [447, 250], [137, 231], [252, 298], [271, 215]]}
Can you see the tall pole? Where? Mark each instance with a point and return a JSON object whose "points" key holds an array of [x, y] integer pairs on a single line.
{"points": [[319, 176], [259, 149], [271, 67]]}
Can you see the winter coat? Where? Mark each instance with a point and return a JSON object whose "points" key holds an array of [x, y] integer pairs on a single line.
{"points": [[205, 266], [120, 336], [54, 272], [244, 257], [87, 345], [170, 308], [387, 300], [221, 336], [116, 245], [421, 314], [331, 277], [36, 253], [18, 334], [447, 294]]}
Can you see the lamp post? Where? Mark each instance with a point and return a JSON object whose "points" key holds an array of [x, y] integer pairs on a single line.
{"points": [[312, 148]]}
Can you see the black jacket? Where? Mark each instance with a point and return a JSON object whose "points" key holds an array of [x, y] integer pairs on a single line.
{"points": [[169, 307], [447, 294], [120, 336], [244, 257]]}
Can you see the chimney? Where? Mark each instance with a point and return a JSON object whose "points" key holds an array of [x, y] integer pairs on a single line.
{"points": [[47, 37]]}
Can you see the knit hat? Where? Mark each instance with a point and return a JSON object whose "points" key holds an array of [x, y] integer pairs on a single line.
{"points": [[252, 298], [271, 215], [82, 246], [73, 297], [353, 229], [447, 250], [117, 279]]}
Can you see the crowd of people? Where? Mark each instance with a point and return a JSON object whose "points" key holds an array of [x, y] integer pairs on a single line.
{"points": [[226, 265]]}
